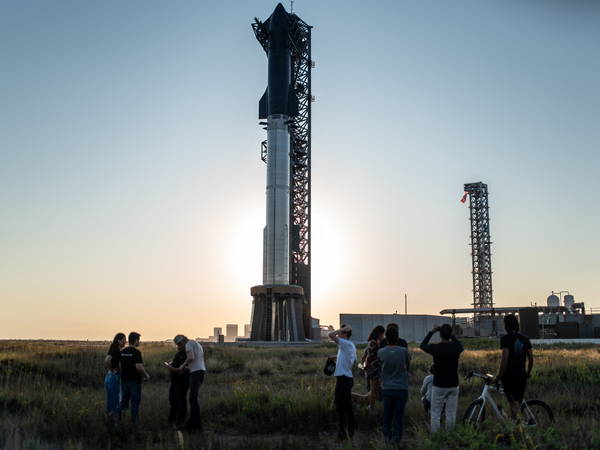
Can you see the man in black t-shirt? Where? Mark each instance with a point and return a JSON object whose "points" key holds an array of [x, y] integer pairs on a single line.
{"points": [[132, 374], [444, 393], [516, 348]]}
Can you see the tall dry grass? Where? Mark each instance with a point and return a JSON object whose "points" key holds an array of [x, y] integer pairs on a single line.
{"points": [[52, 396]]}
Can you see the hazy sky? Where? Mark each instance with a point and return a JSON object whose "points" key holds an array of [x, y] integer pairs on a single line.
{"points": [[132, 193]]}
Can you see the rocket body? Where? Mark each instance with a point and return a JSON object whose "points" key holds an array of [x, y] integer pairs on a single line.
{"points": [[277, 105], [276, 235]]}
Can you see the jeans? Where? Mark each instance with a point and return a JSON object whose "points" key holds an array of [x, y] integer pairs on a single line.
{"points": [[132, 390], [343, 406], [177, 397], [440, 397], [112, 383], [196, 379], [394, 402]]}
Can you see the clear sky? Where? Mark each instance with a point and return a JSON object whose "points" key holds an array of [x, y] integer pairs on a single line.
{"points": [[132, 190]]}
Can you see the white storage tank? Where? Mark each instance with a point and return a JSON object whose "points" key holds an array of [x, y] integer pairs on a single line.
{"points": [[569, 300], [553, 301]]}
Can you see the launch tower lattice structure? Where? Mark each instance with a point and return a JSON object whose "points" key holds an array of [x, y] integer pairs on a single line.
{"points": [[480, 245], [300, 157]]}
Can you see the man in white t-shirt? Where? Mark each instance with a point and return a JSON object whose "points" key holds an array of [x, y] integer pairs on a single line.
{"points": [[195, 363], [345, 359]]}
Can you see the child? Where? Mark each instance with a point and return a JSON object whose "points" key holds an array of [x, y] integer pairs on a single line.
{"points": [[426, 389]]}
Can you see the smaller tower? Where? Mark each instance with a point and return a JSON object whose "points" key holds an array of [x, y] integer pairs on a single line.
{"points": [[481, 255]]}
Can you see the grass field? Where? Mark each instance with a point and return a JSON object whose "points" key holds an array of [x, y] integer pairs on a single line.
{"points": [[52, 396]]}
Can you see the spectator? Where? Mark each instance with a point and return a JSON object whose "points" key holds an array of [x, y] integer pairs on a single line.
{"points": [[516, 348], [426, 389], [180, 383], [394, 362], [345, 359], [112, 380], [371, 364], [444, 393], [132, 374], [195, 363], [401, 342]]}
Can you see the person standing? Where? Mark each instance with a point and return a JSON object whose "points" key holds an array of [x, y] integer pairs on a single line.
{"points": [[371, 364], [401, 342], [426, 390], [112, 380], [194, 361], [516, 348], [132, 374], [444, 392], [345, 359], [180, 383], [394, 361]]}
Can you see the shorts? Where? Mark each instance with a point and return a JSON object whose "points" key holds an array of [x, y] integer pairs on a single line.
{"points": [[514, 387]]}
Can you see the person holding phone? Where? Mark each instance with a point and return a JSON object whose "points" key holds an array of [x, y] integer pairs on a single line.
{"points": [[194, 362], [180, 384]]}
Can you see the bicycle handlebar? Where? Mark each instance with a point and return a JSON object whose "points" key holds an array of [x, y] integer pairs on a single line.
{"points": [[488, 378]]}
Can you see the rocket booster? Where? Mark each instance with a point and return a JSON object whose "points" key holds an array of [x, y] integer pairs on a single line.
{"points": [[277, 105]]}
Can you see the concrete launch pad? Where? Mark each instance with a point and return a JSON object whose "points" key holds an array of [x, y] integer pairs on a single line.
{"points": [[277, 313]]}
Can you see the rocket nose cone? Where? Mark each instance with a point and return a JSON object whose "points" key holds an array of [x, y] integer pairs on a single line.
{"points": [[279, 19], [280, 9], [279, 12]]}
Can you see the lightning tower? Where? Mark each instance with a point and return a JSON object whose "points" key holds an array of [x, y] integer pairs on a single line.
{"points": [[281, 305]]}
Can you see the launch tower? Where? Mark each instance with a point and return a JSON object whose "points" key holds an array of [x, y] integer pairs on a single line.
{"points": [[281, 305], [481, 255]]}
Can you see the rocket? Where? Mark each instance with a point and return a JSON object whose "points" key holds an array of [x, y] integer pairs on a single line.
{"points": [[278, 105]]}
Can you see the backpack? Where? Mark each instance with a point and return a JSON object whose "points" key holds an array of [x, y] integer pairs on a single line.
{"points": [[329, 368]]}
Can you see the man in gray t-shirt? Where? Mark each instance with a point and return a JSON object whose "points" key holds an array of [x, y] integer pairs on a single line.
{"points": [[394, 361]]}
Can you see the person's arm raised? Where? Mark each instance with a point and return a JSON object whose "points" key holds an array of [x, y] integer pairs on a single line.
{"points": [[460, 346], [425, 343], [335, 335]]}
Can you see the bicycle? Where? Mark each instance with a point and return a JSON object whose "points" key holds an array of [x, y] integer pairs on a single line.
{"points": [[534, 412]]}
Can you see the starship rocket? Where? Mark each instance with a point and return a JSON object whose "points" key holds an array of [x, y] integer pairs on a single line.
{"points": [[278, 105], [279, 306]]}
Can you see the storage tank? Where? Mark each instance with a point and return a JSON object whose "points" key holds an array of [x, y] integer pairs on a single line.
{"points": [[569, 300], [553, 301], [529, 322]]}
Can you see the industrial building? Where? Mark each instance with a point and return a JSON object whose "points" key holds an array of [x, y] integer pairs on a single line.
{"points": [[412, 327], [232, 332], [558, 319]]}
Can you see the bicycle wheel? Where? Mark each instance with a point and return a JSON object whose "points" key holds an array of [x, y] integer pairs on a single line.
{"points": [[475, 413], [536, 413]]}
